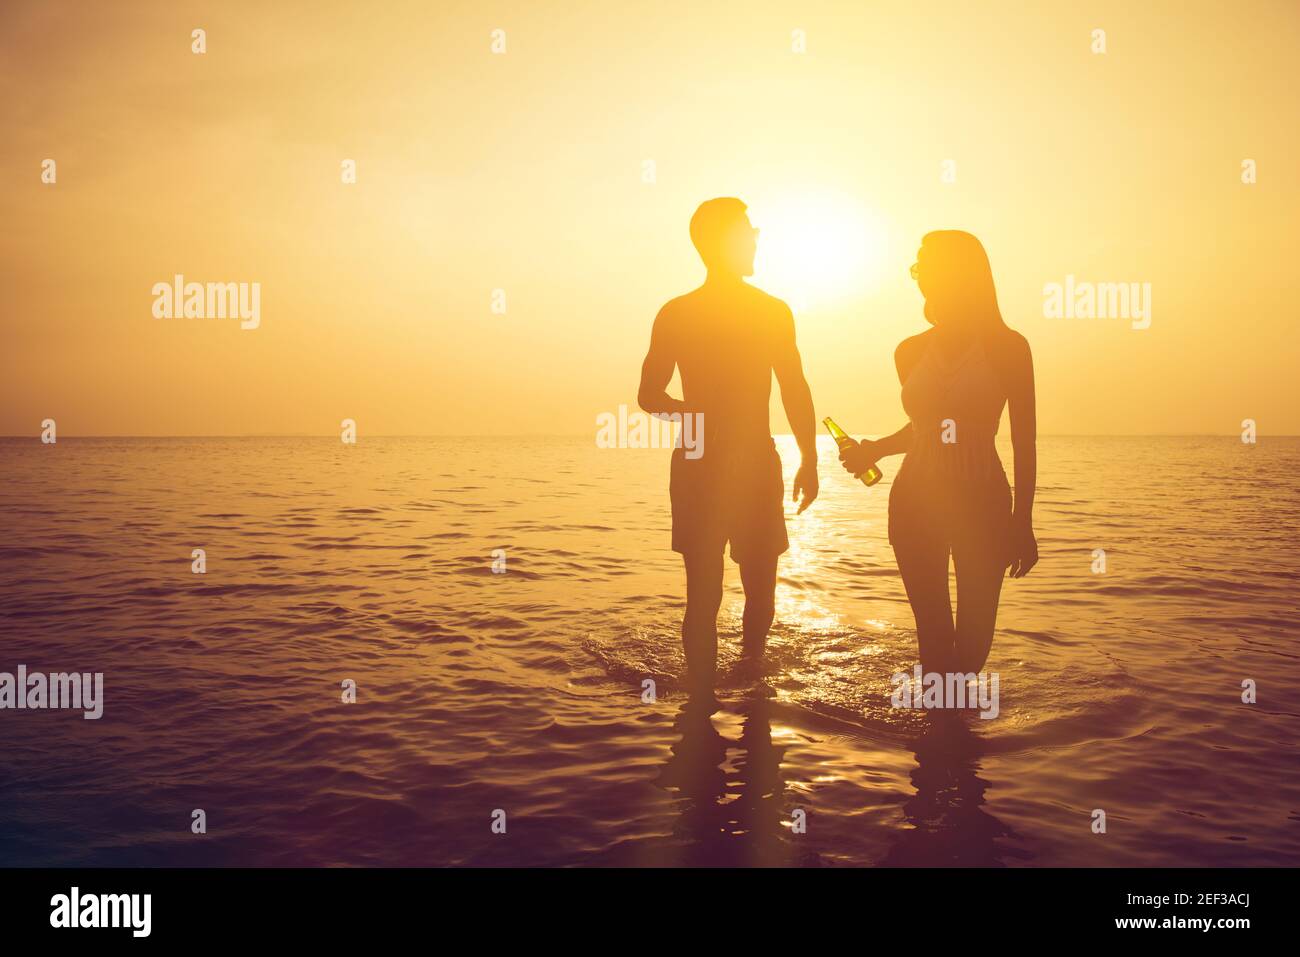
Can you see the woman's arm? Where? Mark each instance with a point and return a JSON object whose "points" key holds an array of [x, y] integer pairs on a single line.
{"points": [[858, 458], [1024, 436], [896, 444], [867, 452]]}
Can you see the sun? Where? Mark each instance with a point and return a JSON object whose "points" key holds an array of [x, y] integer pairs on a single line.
{"points": [[817, 248]]}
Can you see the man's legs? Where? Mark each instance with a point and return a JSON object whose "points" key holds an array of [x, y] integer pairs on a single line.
{"points": [[758, 575], [700, 625], [756, 528]]}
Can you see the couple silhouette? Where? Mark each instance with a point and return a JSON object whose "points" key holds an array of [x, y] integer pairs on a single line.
{"points": [[950, 500]]}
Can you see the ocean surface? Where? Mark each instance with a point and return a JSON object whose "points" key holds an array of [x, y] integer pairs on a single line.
{"points": [[518, 696]]}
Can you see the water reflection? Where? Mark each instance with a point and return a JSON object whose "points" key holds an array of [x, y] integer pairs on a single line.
{"points": [[947, 824], [733, 808], [731, 793]]}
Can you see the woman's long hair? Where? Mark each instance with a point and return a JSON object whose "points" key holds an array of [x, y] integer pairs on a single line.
{"points": [[957, 267]]}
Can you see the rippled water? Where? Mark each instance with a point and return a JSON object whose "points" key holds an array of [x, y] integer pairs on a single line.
{"points": [[522, 691]]}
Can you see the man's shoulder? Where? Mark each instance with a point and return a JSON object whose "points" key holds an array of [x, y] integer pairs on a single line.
{"points": [[669, 315], [702, 304], [769, 303], [679, 304]]}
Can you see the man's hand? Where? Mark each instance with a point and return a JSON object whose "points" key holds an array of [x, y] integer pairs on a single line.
{"points": [[859, 457], [805, 480]]}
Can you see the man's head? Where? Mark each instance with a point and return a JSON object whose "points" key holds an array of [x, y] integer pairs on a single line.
{"points": [[722, 234]]}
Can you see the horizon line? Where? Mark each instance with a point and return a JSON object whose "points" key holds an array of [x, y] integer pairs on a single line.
{"points": [[573, 435]]}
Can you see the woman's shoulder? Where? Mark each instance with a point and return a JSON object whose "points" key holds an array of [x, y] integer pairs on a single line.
{"points": [[1011, 343], [910, 350], [914, 345]]}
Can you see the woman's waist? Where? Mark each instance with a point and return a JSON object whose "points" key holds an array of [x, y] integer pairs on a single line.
{"points": [[971, 460]]}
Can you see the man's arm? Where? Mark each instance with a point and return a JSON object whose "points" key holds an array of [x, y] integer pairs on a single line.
{"points": [[657, 371], [796, 397]]}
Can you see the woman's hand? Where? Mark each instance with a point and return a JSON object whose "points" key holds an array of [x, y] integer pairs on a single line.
{"points": [[1024, 551], [859, 456]]}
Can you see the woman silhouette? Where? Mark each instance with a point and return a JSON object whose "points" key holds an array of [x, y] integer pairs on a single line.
{"points": [[950, 496]]}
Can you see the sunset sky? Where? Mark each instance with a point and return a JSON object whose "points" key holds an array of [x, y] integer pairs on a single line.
{"points": [[523, 171]]}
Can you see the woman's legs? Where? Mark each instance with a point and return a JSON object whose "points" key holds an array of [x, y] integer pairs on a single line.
{"points": [[979, 556], [926, 525], [921, 549], [980, 570], [924, 567]]}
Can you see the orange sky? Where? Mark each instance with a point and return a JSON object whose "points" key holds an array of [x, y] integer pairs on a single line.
{"points": [[523, 171]]}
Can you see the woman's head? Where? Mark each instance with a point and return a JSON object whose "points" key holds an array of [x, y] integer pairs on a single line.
{"points": [[953, 273]]}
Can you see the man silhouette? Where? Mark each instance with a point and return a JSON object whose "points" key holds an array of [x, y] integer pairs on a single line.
{"points": [[727, 338]]}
